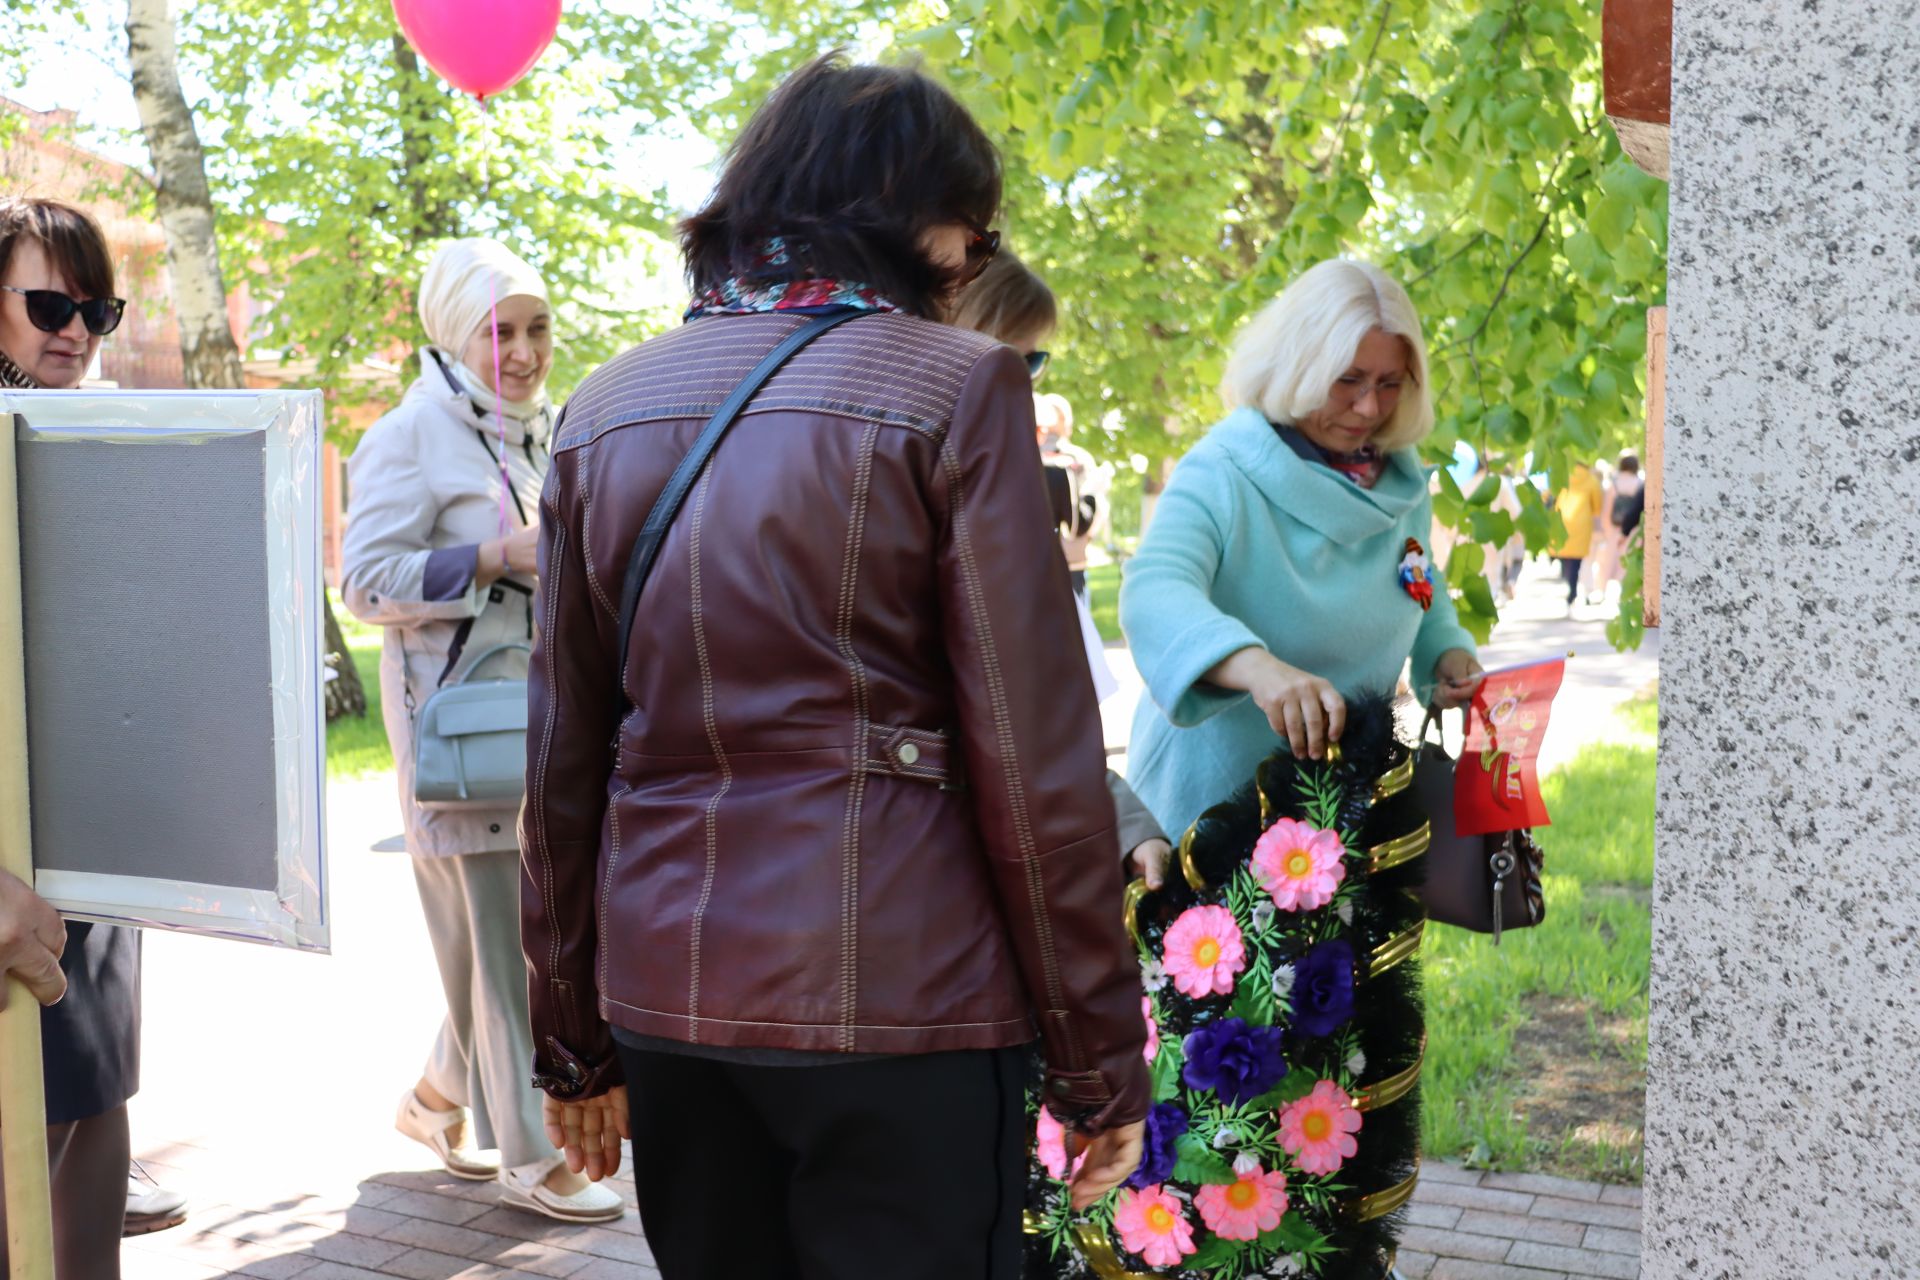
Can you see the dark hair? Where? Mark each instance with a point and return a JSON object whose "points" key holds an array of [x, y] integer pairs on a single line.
{"points": [[1007, 301], [851, 164], [1630, 464], [69, 237]]}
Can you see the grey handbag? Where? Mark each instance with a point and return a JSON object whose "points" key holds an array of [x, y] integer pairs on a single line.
{"points": [[470, 742]]}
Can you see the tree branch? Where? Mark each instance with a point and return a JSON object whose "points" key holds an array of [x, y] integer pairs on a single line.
{"points": [[1353, 103]]}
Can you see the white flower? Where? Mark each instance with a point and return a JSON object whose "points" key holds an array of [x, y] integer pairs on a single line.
{"points": [[1283, 981], [1345, 910], [1356, 1064], [1224, 1139], [1153, 975], [1263, 913], [1286, 1266], [1246, 1164]]}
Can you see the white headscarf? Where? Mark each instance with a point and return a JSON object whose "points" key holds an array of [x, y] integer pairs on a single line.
{"points": [[464, 280]]}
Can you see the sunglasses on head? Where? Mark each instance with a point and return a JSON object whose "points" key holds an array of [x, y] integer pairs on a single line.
{"points": [[1037, 363], [980, 250], [49, 310]]}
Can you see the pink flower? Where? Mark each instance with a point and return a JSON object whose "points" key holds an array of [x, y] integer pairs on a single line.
{"points": [[1242, 1210], [1153, 1029], [1318, 1130], [1299, 866], [1203, 951], [1152, 1225], [1050, 1142]]}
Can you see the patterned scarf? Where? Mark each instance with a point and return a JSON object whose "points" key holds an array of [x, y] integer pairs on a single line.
{"points": [[763, 289], [1363, 466], [12, 375]]}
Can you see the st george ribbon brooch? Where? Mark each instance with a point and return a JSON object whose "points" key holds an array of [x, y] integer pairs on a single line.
{"points": [[1416, 574]]}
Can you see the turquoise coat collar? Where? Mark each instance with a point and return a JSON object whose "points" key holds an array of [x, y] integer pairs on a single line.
{"points": [[1318, 496]]}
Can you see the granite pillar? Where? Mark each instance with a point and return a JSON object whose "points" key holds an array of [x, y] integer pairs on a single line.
{"points": [[1783, 1116]]}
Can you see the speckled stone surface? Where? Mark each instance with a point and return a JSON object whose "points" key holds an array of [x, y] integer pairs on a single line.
{"points": [[1783, 1116]]}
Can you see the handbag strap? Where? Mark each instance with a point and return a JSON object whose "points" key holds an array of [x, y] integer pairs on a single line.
{"points": [[646, 547], [488, 652]]}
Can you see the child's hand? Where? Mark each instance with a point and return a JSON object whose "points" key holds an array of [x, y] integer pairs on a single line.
{"points": [[1149, 859]]}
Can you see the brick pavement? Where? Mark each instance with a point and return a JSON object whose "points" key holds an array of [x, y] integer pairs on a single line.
{"points": [[420, 1224]]}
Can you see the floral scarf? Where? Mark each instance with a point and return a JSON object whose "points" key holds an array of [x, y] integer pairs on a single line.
{"points": [[12, 375], [1363, 466], [762, 289]]}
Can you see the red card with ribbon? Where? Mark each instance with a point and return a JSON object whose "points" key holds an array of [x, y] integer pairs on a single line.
{"points": [[1496, 784]]}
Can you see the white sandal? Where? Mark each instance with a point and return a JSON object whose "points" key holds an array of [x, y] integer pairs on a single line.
{"points": [[525, 1187], [429, 1128]]}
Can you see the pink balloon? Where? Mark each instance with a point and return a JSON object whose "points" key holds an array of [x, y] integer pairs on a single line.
{"points": [[480, 46]]}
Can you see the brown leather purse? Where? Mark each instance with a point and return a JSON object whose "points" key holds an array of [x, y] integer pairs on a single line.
{"points": [[1487, 883]]}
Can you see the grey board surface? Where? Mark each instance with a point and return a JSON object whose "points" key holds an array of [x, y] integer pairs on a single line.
{"points": [[137, 757]]}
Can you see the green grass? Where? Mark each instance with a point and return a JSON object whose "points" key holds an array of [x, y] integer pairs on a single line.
{"points": [[1103, 597], [357, 745], [1536, 1052]]}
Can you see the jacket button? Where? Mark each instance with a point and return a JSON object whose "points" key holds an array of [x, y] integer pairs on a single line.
{"points": [[908, 753], [1061, 1087], [494, 827]]}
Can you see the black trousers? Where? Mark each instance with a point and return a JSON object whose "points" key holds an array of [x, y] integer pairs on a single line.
{"points": [[897, 1168], [1570, 574]]}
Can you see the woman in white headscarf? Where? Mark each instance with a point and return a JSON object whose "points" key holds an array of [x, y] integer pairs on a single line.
{"points": [[440, 551]]}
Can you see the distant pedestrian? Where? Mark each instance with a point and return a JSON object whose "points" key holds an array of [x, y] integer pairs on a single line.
{"points": [[1578, 505], [1621, 509], [440, 551]]}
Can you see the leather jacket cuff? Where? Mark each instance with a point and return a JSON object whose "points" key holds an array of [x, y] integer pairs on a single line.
{"points": [[567, 1077], [1085, 1102]]}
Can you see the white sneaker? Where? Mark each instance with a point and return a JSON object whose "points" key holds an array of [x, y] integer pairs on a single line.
{"points": [[429, 1128], [525, 1187]]}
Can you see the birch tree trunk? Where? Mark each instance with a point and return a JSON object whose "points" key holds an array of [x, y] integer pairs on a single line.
{"points": [[208, 352], [186, 205]]}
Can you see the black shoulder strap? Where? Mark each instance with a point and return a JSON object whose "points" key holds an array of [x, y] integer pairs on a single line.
{"points": [[646, 547]]}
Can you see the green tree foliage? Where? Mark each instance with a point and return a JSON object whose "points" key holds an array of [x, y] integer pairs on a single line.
{"points": [[1173, 163], [342, 159]]}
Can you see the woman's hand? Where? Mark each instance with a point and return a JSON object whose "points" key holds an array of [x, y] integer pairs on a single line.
{"points": [[1456, 678], [519, 550], [1300, 706], [1110, 1158], [588, 1133], [1149, 859]]}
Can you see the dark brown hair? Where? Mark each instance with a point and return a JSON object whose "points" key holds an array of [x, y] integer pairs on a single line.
{"points": [[1008, 301], [851, 164], [1629, 464], [69, 237]]}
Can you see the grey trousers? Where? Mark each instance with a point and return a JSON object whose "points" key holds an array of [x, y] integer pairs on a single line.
{"points": [[483, 1058], [87, 1163]]}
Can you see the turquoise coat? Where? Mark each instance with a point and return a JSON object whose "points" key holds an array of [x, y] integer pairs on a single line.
{"points": [[1253, 545]]}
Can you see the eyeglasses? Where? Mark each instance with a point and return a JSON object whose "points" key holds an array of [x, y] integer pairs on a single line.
{"points": [[49, 310], [1037, 363], [980, 250], [1350, 388]]}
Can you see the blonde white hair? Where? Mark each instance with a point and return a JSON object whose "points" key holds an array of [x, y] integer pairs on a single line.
{"points": [[1288, 357]]}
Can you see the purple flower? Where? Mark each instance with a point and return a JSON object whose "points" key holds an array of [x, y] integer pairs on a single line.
{"points": [[1323, 988], [1165, 1123], [1236, 1061]]}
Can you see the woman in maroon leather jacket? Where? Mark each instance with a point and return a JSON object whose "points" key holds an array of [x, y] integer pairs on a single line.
{"points": [[853, 848]]}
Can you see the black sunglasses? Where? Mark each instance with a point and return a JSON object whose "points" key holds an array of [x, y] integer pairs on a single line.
{"points": [[1037, 363], [980, 250], [49, 310]]}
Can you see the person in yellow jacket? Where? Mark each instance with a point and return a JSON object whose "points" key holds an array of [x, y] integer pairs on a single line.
{"points": [[1579, 507]]}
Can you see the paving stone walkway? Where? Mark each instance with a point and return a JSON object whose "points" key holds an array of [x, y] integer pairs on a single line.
{"points": [[424, 1225]]}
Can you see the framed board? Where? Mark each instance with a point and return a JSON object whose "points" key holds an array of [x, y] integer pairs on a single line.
{"points": [[170, 580]]}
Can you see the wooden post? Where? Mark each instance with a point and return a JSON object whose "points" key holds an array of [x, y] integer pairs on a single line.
{"points": [[23, 1099]]}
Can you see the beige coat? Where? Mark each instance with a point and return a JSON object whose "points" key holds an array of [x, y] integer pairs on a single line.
{"points": [[423, 491]]}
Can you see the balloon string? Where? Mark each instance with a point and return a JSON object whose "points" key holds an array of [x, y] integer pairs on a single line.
{"points": [[493, 313]]}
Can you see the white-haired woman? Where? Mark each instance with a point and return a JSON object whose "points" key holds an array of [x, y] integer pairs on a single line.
{"points": [[1286, 560], [440, 551]]}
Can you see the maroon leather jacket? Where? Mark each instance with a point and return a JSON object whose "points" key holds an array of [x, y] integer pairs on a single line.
{"points": [[859, 805]]}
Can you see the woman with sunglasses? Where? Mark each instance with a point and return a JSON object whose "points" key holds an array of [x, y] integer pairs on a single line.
{"points": [[56, 303], [852, 843], [1286, 561]]}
